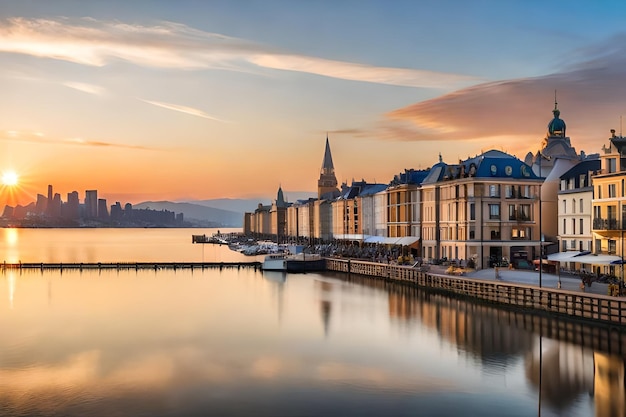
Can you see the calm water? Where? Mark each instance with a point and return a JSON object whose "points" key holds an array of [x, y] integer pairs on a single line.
{"points": [[242, 342]]}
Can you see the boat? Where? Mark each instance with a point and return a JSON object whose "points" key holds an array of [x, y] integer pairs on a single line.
{"points": [[294, 263]]}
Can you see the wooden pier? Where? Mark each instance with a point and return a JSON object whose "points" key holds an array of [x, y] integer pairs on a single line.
{"points": [[129, 265], [580, 305]]}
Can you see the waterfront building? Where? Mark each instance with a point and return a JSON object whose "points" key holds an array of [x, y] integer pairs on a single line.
{"points": [[575, 197], [609, 199], [322, 220], [403, 206], [278, 216], [484, 208], [368, 199], [261, 220]]}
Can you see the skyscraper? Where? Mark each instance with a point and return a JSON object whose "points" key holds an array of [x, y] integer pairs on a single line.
{"points": [[91, 203]]}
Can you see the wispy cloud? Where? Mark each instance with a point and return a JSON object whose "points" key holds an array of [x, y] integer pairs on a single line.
{"points": [[182, 109], [85, 88], [171, 45], [359, 72], [591, 96], [40, 138]]}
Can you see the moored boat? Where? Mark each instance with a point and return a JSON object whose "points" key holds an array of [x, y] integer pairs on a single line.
{"points": [[294, 263]]}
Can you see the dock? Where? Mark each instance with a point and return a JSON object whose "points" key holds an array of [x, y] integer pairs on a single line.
{"points": [[128, 265]]}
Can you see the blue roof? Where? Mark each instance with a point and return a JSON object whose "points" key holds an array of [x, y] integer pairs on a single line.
{"points": [[490, 164]]}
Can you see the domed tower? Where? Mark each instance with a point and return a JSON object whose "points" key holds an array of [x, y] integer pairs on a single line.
{"points": [[327, 184], [556, 127]]}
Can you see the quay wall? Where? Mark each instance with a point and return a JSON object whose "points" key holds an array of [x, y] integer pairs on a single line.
{"points": [[610, 310]]}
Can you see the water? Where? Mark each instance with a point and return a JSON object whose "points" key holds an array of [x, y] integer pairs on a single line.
{"points": [[238, 342]]}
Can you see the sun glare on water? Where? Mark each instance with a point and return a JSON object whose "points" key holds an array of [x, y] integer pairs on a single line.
{"points": [[9, 178]]}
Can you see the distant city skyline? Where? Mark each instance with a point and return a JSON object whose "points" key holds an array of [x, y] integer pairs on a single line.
{"points": [[188, 100]]}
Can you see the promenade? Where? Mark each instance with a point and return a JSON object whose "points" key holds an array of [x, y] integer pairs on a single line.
{"points": [[519, 276]]}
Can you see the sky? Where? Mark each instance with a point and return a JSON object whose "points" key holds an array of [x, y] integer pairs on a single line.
{"points": [[192, 100]]}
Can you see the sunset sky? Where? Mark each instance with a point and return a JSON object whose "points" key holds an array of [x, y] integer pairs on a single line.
{"points": [[182, 100]]}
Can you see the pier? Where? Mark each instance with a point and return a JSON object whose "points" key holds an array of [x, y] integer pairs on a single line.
{"points": [[130, 265], [580, 305]]}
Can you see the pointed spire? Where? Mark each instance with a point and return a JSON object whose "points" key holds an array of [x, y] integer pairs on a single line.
{"points": [[327, 163], [280, 199], [327, 183]]}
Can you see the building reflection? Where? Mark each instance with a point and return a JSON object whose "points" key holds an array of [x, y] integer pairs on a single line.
{"points": [[578, 358], [609, 392]]}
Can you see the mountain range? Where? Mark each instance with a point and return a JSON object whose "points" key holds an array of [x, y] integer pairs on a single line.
{"points": [[221, 212]]}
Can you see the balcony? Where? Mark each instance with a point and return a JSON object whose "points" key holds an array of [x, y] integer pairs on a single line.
{"points": [[520, 217], [606, 224]]}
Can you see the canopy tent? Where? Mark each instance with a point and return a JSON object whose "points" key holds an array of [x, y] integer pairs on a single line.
{"points": [[596, 259], [569, 256], [404, 241]]}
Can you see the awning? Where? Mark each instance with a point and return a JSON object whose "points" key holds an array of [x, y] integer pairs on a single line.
{"points": [[375, 239], [569, 256], [407, 240], [596, 259]]}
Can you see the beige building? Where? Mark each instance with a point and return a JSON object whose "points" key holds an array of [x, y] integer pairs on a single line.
{"points": [[609, 201], [485, 208]]}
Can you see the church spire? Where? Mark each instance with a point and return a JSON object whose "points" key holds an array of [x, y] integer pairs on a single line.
{"points": [[327, 163], [327, 184]]}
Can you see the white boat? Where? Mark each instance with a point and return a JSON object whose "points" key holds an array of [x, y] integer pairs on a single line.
{"points": [[293, 263], [275, 262]]}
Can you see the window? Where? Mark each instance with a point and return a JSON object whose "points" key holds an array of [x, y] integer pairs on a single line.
{"points": [[472, 211], [573, 206], [494, 190], [564, 226], [597, 213], [472, 233], [580, 228], [518, 233], [494, 211], [611, 166], [511, 211], [564, 206], [509, 191], [612, 192], [583, 181], [611, 212], [612, 246], [599, 191], [573, 226], [573, 243], [581, 209], [524, 212]]}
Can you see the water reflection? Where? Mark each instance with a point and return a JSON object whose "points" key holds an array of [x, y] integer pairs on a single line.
{"points": [[566, 373], [198, 342]]}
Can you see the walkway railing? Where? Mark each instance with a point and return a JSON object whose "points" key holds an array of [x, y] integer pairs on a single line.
{"points": [[573, 304]]}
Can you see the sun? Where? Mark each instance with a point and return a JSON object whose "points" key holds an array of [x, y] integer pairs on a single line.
{"points": [[9, 178]]}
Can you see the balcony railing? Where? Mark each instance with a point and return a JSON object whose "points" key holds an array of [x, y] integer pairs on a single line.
{"points": [[606, 224]]}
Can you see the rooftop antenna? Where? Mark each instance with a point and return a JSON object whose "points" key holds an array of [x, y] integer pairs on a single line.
{"points": [[620, 126], [555, 102]]}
